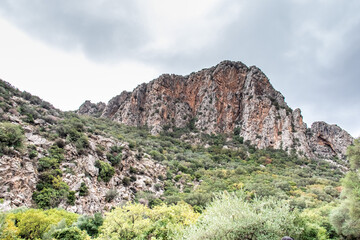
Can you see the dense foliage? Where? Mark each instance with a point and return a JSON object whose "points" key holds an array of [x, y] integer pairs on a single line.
{"points": [[51, 189], [346, 218], [233, 216]]}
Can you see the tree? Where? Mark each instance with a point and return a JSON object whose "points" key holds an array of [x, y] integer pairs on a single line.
{"points": [[72, 233], [233, 216], [33, 223], [346, 218], [136, 221]]}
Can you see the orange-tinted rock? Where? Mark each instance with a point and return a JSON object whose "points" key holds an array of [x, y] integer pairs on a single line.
{"points": [[221, 98]]}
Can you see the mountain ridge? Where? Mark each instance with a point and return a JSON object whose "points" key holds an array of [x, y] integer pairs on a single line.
{"points": [[220, 99]]}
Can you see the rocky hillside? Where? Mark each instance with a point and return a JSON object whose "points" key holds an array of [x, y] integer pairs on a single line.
{"points": [[174, 139], [229, 97], [49, 158]]}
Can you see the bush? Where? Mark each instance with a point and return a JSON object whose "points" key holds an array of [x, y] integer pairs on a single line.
{"points": [[11, 135], [106, 171], [114, 156], [33, 223], [49, 197], [126, 181], [83, 190], [90, 224], [47, 163], [33, 154], [72, 233], [231, 216], [111, 195], [133, 170], [51, 190], [82, 143], [71, 198], [136, 221]]}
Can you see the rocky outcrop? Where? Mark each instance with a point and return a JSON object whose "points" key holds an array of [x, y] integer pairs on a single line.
{"points": [[217, 100], [92, 109], [329, 140], [39, 121]]}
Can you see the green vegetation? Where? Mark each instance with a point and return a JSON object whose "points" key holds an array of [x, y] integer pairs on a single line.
{"points": [[224, 188], [11, 137], [232, 216], [90, 224], [106, 171], [34, 223], [83, 190], [346, 218], [136, 221], [51, 189], [114, 156]]}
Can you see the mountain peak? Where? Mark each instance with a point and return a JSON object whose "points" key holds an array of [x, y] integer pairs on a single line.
{"points": [[220, 99]]}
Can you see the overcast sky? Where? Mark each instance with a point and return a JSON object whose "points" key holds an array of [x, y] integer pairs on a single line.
{"points": [[69, 51]]}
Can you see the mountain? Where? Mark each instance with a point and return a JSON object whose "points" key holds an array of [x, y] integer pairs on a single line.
{"points": [[222, 99], [174, 139]]}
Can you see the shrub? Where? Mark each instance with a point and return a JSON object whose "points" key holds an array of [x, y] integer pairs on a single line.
{"points": [[114, 158], [231, 216], [136, 221], [126, 181], [156, 155], [33, 154], [82, 143], [47, 163], [133, 170], [33, 223], [111, 195], [49, 197], [72, 233], [71, 198], [90, 224], [83, 190], [11, 135], [106, 171]]}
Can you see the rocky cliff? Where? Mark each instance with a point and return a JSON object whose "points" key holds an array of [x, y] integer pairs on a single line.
{"points": [[220, 99]]}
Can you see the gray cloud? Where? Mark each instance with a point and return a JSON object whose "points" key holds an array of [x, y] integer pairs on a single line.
{"points": [[103, 30], [309, 49]]}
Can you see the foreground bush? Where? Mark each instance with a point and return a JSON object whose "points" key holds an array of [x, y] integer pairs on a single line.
{"points": [[346, 218], [33, 223], [136, 221], [232, 216]]}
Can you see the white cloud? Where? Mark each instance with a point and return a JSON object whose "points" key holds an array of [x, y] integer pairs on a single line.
{"points": [[185, 26], [65, 79]]}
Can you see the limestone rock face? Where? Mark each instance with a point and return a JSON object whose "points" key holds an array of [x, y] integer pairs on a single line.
{"points": [[329, 140], [19, 175], [92, 109], [217, 100]]}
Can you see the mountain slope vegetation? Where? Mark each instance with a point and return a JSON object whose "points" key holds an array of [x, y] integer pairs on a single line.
{"points": [[114, 181]]}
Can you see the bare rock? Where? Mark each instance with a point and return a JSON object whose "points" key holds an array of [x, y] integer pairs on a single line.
{"points": [[329, 140], [92, 109]]}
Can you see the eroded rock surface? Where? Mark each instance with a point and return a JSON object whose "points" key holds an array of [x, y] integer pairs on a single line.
{"points": [[219, 99]]}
